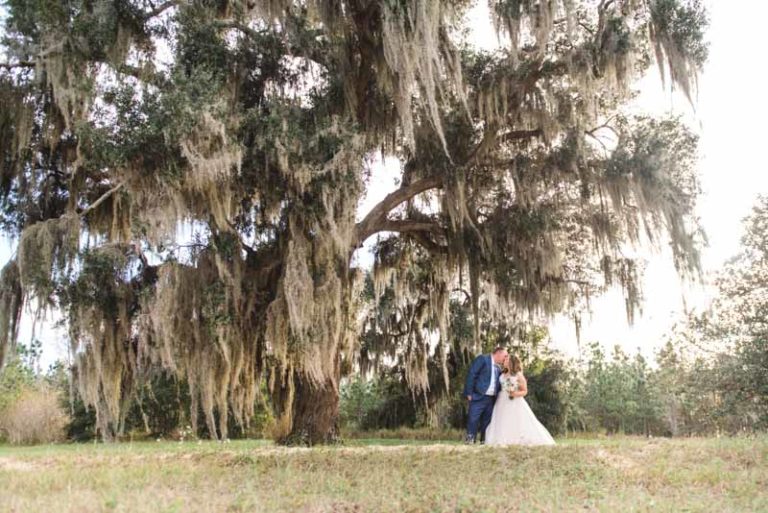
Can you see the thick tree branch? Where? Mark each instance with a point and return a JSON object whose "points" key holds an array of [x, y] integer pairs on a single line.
{"points": [[247, 247], [492, 137], [154, 78], [20, 64], [605, 4], [516, 135], [232, 24], [101, 199], [526, 84], [407, 225], [593, 136], [604, 125], [587, 28], [316, 53], [416, 230], [464, 291], [552, 279], [377, 217], [54, 48], [161, 9], [427, 243]]}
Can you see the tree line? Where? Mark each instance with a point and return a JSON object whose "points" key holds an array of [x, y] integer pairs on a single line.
{"points": [[709, 377], [674, 394]]}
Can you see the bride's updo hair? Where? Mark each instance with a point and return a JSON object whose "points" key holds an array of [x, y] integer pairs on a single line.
{"points": [[515, 365]]}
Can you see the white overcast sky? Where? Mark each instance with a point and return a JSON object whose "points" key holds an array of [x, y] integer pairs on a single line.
{"points": [[728, 116]]}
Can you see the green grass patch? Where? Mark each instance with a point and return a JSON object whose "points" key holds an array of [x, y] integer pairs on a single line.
{"points": [[389, 475]]}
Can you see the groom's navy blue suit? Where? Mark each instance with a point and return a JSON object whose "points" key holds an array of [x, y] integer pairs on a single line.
{"points": [[477, 386]]}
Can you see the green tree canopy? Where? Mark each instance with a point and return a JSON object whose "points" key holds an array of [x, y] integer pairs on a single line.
{"points": [[183, 178], [733, 330]]}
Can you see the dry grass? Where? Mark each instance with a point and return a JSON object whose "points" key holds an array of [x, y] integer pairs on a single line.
{"points": [[35, 417], [617, 474], [423, 434]]}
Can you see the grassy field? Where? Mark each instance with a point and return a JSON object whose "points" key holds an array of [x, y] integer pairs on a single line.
{"points": [[611, 475]]}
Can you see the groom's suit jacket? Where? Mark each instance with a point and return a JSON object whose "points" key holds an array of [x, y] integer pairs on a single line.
{"points": [[479, 377]]}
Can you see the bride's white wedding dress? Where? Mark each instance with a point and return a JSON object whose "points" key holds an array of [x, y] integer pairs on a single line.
{"points": [[513, 421]]}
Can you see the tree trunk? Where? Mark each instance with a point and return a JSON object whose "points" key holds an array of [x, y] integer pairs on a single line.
{"points": [[315, 413]]}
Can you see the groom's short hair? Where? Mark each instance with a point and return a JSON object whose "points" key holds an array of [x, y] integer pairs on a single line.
{"points": [[499, 349]]}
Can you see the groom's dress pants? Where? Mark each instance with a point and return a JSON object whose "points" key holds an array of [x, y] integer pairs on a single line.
{"points": [[480, 411]]}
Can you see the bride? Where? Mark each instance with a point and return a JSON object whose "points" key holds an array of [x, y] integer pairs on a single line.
{"points": [[513, 421]]}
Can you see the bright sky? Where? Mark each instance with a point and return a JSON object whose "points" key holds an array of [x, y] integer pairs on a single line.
{"points": [[728, 116]]}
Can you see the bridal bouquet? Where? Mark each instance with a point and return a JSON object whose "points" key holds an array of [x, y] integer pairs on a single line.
{"points": [[509, 386]]}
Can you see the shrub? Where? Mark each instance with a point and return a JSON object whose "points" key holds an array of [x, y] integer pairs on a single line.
{"points": [[546, 380], [36, 416], [381, 403]]}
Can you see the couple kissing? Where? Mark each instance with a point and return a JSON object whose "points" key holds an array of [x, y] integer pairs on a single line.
{"points": [[498, 412]]}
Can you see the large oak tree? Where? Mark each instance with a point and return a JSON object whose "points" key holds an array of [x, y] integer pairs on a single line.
{"points": [[183, 178]]}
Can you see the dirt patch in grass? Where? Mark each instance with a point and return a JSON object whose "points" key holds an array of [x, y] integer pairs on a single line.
{"points": [[14, 465]]}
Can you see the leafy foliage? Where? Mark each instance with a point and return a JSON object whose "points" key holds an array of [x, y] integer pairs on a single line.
{"points": [[131, 124], [17, 376], [732, 332], [382, 403], [618, 395]]}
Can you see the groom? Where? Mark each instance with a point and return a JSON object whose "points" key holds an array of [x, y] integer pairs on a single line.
{"points": [[480, 389]]}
